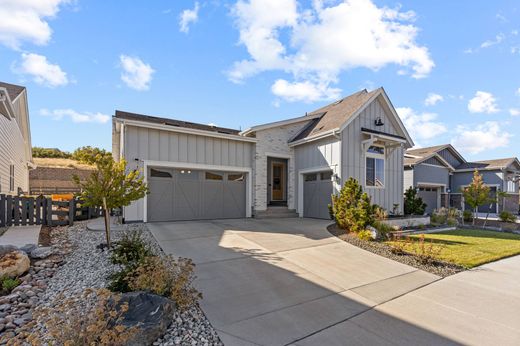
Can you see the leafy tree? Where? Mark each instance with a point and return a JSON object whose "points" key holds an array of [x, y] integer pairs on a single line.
{"points": [[476, 194], [413, 204], [50, 153], [110, 186], [351, 208], [89, 154]]}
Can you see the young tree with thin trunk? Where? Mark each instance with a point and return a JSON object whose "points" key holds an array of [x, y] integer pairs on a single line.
{"points": [[476, 194], [111, 186]]}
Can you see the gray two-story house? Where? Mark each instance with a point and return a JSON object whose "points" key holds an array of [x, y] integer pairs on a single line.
{"points": [[197, 171], [439, 174]]}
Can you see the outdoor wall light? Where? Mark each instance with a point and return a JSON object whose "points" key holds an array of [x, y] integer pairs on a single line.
{"points": [[379, 122]]}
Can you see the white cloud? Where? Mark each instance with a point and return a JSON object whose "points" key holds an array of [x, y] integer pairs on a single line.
{"points": [[514, 111], [187, 17], [304, 91], [41, 70], [26, 20], [76, 117], [518, 91], [489, 43], [483, 102], [324, 41], [136, 74], [432, 99], [421, 126], [486, 136]]}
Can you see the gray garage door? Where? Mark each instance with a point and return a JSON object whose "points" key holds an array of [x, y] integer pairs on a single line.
{"points": [[430, 197], [317, 189], [183, 194]]}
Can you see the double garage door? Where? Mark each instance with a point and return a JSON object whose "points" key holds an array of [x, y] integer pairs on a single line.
{"points": [[183, 194], [317, 191]]}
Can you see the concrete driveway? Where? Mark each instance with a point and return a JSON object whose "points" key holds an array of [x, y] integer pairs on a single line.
{"points": [[276, 282]]}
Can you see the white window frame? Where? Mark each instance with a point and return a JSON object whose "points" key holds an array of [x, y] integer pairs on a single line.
{"points": [[376, 156]]}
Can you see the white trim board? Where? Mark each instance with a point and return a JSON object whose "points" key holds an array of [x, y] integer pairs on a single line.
{"points": [[186, 130], [198, 166]]}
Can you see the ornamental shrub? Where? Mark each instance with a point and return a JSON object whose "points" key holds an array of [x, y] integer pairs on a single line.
{"points": [[351, 208], [506, 216], [413, 204]]}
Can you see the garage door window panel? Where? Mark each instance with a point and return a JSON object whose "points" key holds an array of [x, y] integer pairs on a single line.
{"points": [[156, 173], [235, 177], [214, 176]]}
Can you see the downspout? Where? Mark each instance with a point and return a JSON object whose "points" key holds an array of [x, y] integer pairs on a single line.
{"points": [[337, 135]]}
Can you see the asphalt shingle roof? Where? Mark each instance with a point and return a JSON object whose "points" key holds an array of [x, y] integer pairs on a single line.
{"points": [[488, 164], [174, 122], [335, 114], [12, 89]]}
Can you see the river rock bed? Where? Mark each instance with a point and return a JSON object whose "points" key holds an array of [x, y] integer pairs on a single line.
{"points": [[78, 263]]}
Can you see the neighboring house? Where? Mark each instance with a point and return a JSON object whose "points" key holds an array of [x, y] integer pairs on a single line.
{"points": [[440, 173], [199, 171], [15, 140], [54, 175]]}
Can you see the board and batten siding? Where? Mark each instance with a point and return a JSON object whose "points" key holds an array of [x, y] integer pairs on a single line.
{"points": [[353, 157], [408, 179], [449, 157], [434, 175], [13, 151], [316, 155], [141, 143]]}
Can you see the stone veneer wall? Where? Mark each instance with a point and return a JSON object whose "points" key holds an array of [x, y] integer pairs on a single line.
{"points": [[275, 141]]}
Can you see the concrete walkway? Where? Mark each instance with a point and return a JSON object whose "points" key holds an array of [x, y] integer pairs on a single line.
{"points": [[283, 281], [21, 235]]}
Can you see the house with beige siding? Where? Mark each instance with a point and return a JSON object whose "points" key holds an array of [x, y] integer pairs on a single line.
{"points": [[284, 168], [15, 140]]}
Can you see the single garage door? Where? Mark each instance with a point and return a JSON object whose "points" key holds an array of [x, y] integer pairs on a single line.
{"points": [[429, 196], [183, 194], [317, 191]]}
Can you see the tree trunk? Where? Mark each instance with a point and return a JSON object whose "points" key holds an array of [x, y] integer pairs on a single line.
{"points": [[475, 211], [107, 221]]}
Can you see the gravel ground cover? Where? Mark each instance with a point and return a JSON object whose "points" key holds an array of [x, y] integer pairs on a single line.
{"points": [[439, 268], [81, 264]]}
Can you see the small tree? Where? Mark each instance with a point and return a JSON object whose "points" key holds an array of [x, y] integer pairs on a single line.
{"points": [[351, 208], [476, 193], [413, 204], [90, 154], [110, 186]]}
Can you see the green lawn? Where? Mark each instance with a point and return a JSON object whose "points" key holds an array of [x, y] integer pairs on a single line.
{"points": [[471, 248]]}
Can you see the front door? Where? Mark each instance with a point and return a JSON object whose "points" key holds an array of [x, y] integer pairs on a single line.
{"points": [[278, 181]]}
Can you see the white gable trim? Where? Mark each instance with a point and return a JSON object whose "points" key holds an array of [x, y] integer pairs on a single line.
{"points": [[380, 92], [185, 130], [333, 132]]}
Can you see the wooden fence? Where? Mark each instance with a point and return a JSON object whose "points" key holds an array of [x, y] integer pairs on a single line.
{"points": [[21, 211]]}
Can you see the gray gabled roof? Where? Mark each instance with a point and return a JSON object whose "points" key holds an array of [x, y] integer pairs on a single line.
{"points": [[174, 122], [489, 164], [12, 89], [334, 115]]}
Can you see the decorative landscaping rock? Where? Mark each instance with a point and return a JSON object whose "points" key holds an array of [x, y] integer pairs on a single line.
{"points": [[5, 249], [41, 252], [28, 248], [14, 264], [374, 233], [151, 313]]}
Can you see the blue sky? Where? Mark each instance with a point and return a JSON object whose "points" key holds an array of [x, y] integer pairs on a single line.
{"points": [[451, 68]]}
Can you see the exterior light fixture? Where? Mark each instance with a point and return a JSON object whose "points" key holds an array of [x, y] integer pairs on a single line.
{"points": [[379, 122]]}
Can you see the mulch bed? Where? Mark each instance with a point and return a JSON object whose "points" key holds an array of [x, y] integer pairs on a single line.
{"points": [[439, 268]]}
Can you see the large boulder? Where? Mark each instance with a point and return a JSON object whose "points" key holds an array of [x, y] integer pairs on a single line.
{"points": [[14, 264], [5, 249], [151, 313]]}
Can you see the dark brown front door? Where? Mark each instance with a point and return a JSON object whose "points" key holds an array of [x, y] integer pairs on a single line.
{"points": [[278, 183]]}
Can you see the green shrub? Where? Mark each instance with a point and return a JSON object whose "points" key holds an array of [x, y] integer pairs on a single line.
{"points": [[506, 216], [380, 213], [467, 215], [384, 229], [452, 221], [129, 253], [352, 209], [8, 284], [413, 204], [365, 235], [331, 211], [166, 276]]}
